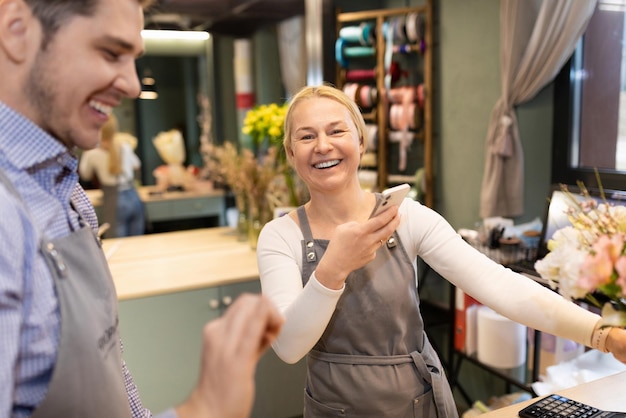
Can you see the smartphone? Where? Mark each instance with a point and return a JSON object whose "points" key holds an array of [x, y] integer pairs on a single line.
{"points": [[392, 196]]}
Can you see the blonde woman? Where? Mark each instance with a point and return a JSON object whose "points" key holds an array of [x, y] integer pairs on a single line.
{"points": [[113, 164], [346, 281]]}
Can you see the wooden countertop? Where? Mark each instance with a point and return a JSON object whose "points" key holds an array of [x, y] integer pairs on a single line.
{"points": [[153, 194], [608, 393], [168, 262]]}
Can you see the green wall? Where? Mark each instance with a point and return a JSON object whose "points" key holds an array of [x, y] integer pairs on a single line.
{"points": [[468, 82], [467, 86]]}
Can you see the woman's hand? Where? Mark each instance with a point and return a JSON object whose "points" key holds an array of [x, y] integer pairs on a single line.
{"points": [[616, 343], [353, 245]]}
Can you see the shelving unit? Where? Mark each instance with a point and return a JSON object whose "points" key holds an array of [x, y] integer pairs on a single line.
{"points": [[411, 68]]}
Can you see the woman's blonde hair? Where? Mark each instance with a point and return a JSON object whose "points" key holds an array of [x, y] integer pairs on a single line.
{"points": [[107, 140], [329, 92]]}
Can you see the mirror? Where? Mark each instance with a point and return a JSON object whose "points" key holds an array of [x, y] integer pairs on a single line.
{"points": [[180, 62]]}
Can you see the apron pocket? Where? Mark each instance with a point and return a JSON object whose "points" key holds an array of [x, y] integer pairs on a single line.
{"points": [[424, 406], [313, 408]]}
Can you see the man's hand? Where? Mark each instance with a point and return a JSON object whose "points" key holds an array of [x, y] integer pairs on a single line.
{"points": [[232, 347]]}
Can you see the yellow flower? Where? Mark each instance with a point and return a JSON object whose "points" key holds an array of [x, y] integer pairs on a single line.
{"points": [[265, 121]]}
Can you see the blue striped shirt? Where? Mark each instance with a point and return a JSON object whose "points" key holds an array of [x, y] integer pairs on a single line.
{"points": [[44, 172]]}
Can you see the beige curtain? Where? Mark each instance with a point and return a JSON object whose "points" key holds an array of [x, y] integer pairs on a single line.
{"points": [[536, 39], [292, 52]]}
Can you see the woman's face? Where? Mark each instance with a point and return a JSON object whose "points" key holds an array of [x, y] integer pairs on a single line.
{"points": [[326, 148]]}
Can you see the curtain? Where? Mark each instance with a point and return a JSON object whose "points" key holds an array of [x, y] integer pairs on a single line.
{"points": [[537, 37], [292, 52]]}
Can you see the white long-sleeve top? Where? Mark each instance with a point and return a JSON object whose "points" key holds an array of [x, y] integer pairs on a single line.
{"points": [[96, 162], [424, 233]]}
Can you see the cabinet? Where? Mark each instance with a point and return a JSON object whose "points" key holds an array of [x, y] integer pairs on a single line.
{"points": [[162, 337], [384, 61]]}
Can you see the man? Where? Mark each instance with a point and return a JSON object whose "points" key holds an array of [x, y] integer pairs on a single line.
{"points": [[64, 65]]}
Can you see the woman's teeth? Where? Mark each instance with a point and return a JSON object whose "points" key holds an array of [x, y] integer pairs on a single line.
{"points": [[327, 164]]}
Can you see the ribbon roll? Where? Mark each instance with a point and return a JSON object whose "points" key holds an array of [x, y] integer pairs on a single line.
{"points": [[366, 96], [343, 51], [350, 89], [372, 137], [411, 27], [350, 34], [421, 95], [399, 33], [359, 51], [360, 75], [362, 34]]}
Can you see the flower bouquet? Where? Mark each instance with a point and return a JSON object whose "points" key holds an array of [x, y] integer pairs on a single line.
{"points": [[587, 260], [265, 125]]}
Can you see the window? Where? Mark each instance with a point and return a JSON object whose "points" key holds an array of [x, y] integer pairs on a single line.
{"points": [[590, 104]]}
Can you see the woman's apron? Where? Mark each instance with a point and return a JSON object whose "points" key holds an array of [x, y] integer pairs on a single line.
{"points": [[374, 358], [87, 380]]}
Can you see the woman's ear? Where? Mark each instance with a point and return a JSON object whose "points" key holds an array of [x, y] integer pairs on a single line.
{"points": [[16, 29]]}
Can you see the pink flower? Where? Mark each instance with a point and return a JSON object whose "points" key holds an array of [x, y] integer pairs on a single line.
{"points": [[597, 267], [620, 269]]}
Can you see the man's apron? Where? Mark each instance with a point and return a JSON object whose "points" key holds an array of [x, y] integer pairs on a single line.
{"points": [[87, 380], [374, 358]]}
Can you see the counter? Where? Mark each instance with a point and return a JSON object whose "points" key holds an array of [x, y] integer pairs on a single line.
{"points": [[607, 393], [169, 286], [175, 205], [157, 264]]}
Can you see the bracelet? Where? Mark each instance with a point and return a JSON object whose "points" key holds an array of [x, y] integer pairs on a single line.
{"points": [[598, 338]]}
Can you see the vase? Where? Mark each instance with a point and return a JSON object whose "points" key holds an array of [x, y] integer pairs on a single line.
{"points": [[242, 217], [254, 229], [258, 216]]}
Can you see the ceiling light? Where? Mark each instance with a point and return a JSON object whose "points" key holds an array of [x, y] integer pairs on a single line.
{"points": [[175, 34], [148, 86]]}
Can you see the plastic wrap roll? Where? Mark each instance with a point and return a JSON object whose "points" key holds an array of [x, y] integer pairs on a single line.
{"points": [[501, 343]]}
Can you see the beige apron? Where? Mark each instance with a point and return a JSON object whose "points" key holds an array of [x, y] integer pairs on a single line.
{"points": [[374, 358], [87, 380]]}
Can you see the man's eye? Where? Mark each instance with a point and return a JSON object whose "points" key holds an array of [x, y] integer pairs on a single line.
{"points": [[110, 54]]}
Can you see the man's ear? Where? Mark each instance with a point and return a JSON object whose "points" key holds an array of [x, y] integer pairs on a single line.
{"points": [[16, 27]]}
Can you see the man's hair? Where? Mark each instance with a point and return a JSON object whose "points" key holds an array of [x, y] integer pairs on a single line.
{"points": [[54, 13]]}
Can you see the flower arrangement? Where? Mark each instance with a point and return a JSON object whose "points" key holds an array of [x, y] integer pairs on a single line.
{"points": [[253, 181], [587, 260], [265, 122], [265, 125]]}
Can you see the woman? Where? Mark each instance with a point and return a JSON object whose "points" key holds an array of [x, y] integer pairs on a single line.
{"points": [[112, 164], [347, 283]]}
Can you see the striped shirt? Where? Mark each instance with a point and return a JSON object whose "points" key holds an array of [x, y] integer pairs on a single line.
{"points": [[44, 172]]}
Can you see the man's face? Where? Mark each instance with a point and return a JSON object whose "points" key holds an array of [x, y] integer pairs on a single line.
{"points": [[86, 69]]}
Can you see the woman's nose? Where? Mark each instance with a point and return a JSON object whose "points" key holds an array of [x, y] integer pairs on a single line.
{"points": [[323, 143]]}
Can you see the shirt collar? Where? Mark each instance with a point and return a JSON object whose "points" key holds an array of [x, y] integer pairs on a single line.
{"points": [[27, 145]]}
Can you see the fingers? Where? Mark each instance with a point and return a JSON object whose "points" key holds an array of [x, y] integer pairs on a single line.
{"points": [[252, 323]]}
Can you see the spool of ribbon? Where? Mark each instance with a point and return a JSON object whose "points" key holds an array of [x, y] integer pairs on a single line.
{"points": [[421, 95], [413, 27], [372, 137], [363, 34], [350, 89], [367, 96], [343, 52], [360, 75]]}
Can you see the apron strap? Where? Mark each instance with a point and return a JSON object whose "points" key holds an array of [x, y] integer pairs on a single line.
{"points": [[309, 244]]}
